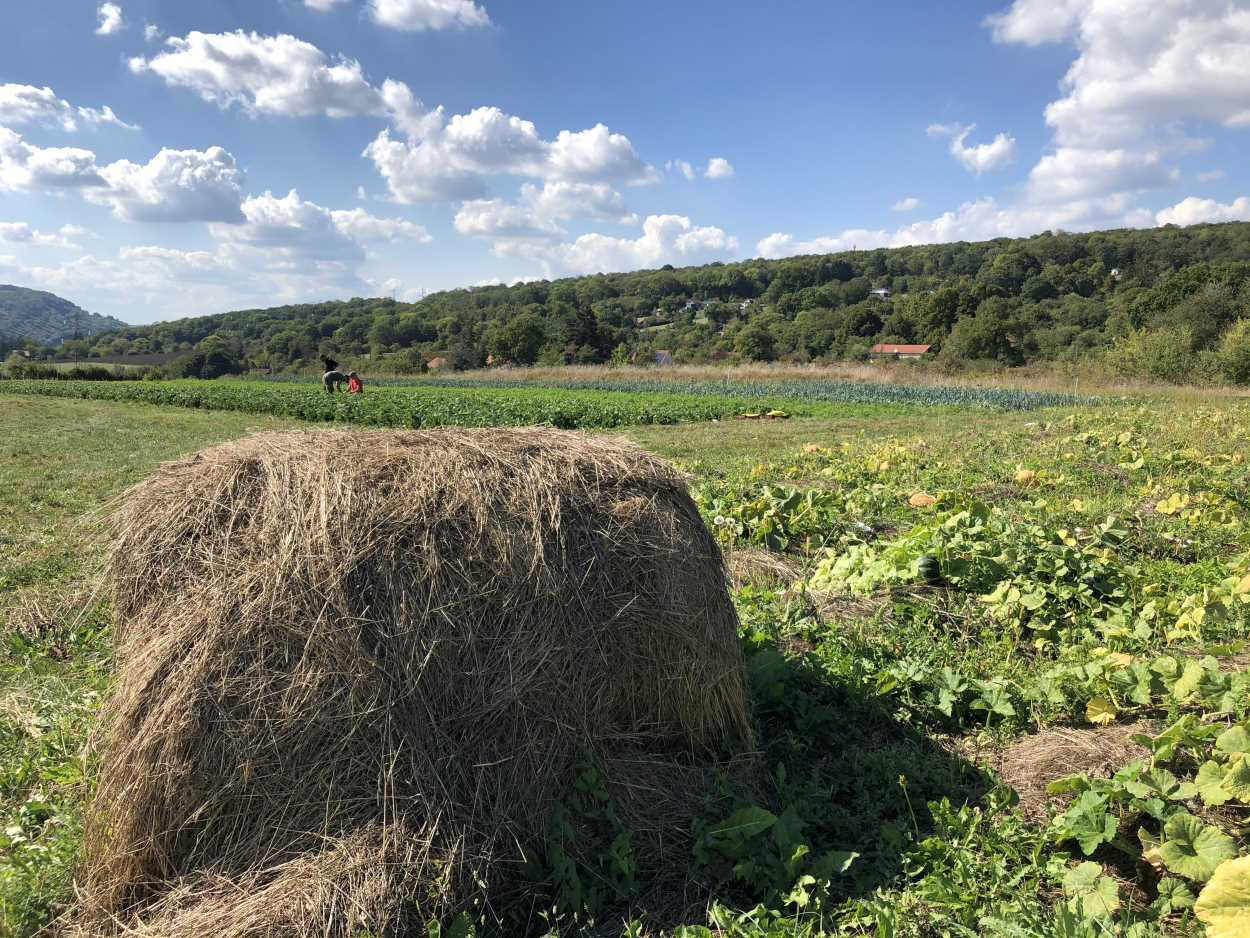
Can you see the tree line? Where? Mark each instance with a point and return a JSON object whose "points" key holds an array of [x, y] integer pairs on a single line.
{"points": [[1160, 302]]}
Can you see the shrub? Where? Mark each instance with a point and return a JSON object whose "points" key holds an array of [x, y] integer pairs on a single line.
{"points": [[1232, 358], [1164, 354]]}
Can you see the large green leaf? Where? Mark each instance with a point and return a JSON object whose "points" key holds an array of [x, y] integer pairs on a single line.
{"points": [[1085, 884], [744, 823], [1188, 681], [1087, 821], [1194, 849], [1237, 779], [1224, 903], [1175, 894], [1210, 775], [1161, 780], [1234, 741]]}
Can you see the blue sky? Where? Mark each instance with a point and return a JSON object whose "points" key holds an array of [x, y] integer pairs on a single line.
{"points": [[166, 159]]}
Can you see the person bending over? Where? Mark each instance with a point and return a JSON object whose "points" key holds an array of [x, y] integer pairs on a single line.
{"points": [[332, 379]]}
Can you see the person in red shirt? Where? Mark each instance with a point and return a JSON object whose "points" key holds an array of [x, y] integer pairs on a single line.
{"points": [[354, 384]]}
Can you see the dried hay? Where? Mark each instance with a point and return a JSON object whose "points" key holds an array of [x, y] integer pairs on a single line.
{"points": [[1030, 764], [763, 568], [359, 668]]}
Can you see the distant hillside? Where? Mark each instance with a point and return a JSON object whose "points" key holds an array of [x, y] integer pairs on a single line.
{"points": [[47, 318], [1160, 301]]}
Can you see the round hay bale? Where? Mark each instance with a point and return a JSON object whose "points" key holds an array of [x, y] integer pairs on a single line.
{"points": [[359, 671]]}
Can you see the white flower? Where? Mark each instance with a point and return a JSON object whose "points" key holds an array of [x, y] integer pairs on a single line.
{"points": [[718, 520]]}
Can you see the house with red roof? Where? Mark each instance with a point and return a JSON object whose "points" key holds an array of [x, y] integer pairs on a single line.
{"points": [[899, 351]]}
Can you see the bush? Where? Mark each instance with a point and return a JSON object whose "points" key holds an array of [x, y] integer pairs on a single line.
{"points": [[1232, 358], [1165, 354]]}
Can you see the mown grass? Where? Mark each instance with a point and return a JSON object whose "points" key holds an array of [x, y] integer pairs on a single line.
{"points": [[860, 754]]}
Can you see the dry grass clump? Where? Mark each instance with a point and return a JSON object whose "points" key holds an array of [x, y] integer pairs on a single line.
{"points": [[359, 668], [1033, 762], [762, 568]]}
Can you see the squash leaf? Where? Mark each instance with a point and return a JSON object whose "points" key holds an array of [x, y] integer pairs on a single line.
{"points": [[1193, 849], [1224, 903], [1237, 779], [1210, 775]]}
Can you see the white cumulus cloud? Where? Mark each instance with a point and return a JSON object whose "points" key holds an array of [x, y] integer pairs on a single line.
{"points": [[681, 166], [451, 161], [905, 205], [665, 239], [27, 168], [596, 154], [306, 233], [110, 19], [285, 250], [562, 199], [363, 228], [973, 221], [718, 168], [1033, 23], [1193, 210], [174, 186], [1140, 65], [26, 104], [980, 158], [536, 214], [417, 173], [20, 232], [1074, 173], [443, 158], [1211, 176], [422, 15], [264, 74], [496, 219], [151, 33], [322, 5]]}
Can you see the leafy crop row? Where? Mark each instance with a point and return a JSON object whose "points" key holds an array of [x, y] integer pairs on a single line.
{"points": [[833, 392], [412, 407]]}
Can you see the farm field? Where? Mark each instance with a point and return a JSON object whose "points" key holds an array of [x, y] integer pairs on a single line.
{"points": [[997, 657], [572, 406], [785, 388]]}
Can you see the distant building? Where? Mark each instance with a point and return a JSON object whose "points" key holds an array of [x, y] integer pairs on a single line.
{"points": [[692, 306], [663, 357], [881, 293], [436, 364], [900, 351], [745, 303]]}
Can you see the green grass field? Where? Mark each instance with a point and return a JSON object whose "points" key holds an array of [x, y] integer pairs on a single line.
{"points": [[944, 611]]}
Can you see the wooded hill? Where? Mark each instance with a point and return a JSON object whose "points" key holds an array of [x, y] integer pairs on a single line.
{"points": [[1171, 292], [45, 318]]}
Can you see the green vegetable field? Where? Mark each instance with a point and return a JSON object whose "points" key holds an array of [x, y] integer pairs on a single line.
{"points": [[840, 392], [407, 407], [997, 657]]}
